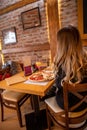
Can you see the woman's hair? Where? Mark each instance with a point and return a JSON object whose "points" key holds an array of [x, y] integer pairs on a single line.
{"points": [[70, 55]]}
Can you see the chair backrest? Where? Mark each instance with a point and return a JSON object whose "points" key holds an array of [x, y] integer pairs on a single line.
{"points": [[77, 90]]}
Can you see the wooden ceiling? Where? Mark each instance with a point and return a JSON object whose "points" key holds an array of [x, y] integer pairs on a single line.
{"points": [[16, 6]]}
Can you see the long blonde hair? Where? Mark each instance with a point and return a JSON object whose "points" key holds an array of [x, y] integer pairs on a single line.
{"points": [[70, 55]]}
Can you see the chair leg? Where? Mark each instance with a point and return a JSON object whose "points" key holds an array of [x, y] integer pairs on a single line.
{"points": [[2, 109], [19, 115]]}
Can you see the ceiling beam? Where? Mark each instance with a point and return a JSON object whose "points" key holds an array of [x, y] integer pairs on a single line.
{"points": [[16, 6]]}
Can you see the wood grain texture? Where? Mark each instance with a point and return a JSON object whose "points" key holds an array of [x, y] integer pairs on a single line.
{"points": [[53, 22], [80, 16], [30, 48], [80, 21], [27, 88], [16, 6]]}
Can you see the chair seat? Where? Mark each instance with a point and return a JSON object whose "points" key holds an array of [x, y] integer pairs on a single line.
{"points": [[51, 102], [12, 96]]}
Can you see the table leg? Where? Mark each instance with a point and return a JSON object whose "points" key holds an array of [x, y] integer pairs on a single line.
{"points": [[36, 103], [36, 120]]}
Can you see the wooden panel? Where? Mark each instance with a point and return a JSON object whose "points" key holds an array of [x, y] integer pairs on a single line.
{"points": [[84, 41], [80, 16], [80, 19], [53, 22], [31, 48], [16, 6]]}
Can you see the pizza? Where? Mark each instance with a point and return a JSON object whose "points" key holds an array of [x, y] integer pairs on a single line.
{"points": [[41, 76], [37, 77]]}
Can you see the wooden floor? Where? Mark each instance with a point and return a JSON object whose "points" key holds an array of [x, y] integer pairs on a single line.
{"points": [[11, 121]]}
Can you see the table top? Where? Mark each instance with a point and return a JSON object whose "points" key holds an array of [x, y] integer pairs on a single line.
{"points": [[34, 89]]}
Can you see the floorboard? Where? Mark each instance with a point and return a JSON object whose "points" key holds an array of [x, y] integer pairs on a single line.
{"points": [[11, 121]]}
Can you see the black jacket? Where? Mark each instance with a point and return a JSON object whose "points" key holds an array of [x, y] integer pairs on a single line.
{"points": [[57, 90], [59, 94]]}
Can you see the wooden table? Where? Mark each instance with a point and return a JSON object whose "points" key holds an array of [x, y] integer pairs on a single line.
{"points": [[36, 119], [28, 88]]}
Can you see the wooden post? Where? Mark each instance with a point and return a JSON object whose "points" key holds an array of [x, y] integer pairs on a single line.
{"points": [[53, 23]]}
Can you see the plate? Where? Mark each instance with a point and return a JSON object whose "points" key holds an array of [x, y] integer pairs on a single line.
{"points": [[40, 77], [37, 77]]}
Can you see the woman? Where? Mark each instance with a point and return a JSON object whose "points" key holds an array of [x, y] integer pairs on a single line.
{"points": [[70, 64]]}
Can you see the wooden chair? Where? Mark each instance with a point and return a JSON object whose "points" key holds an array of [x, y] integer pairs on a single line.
{"points": [[67, 119], [13, 100]]}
